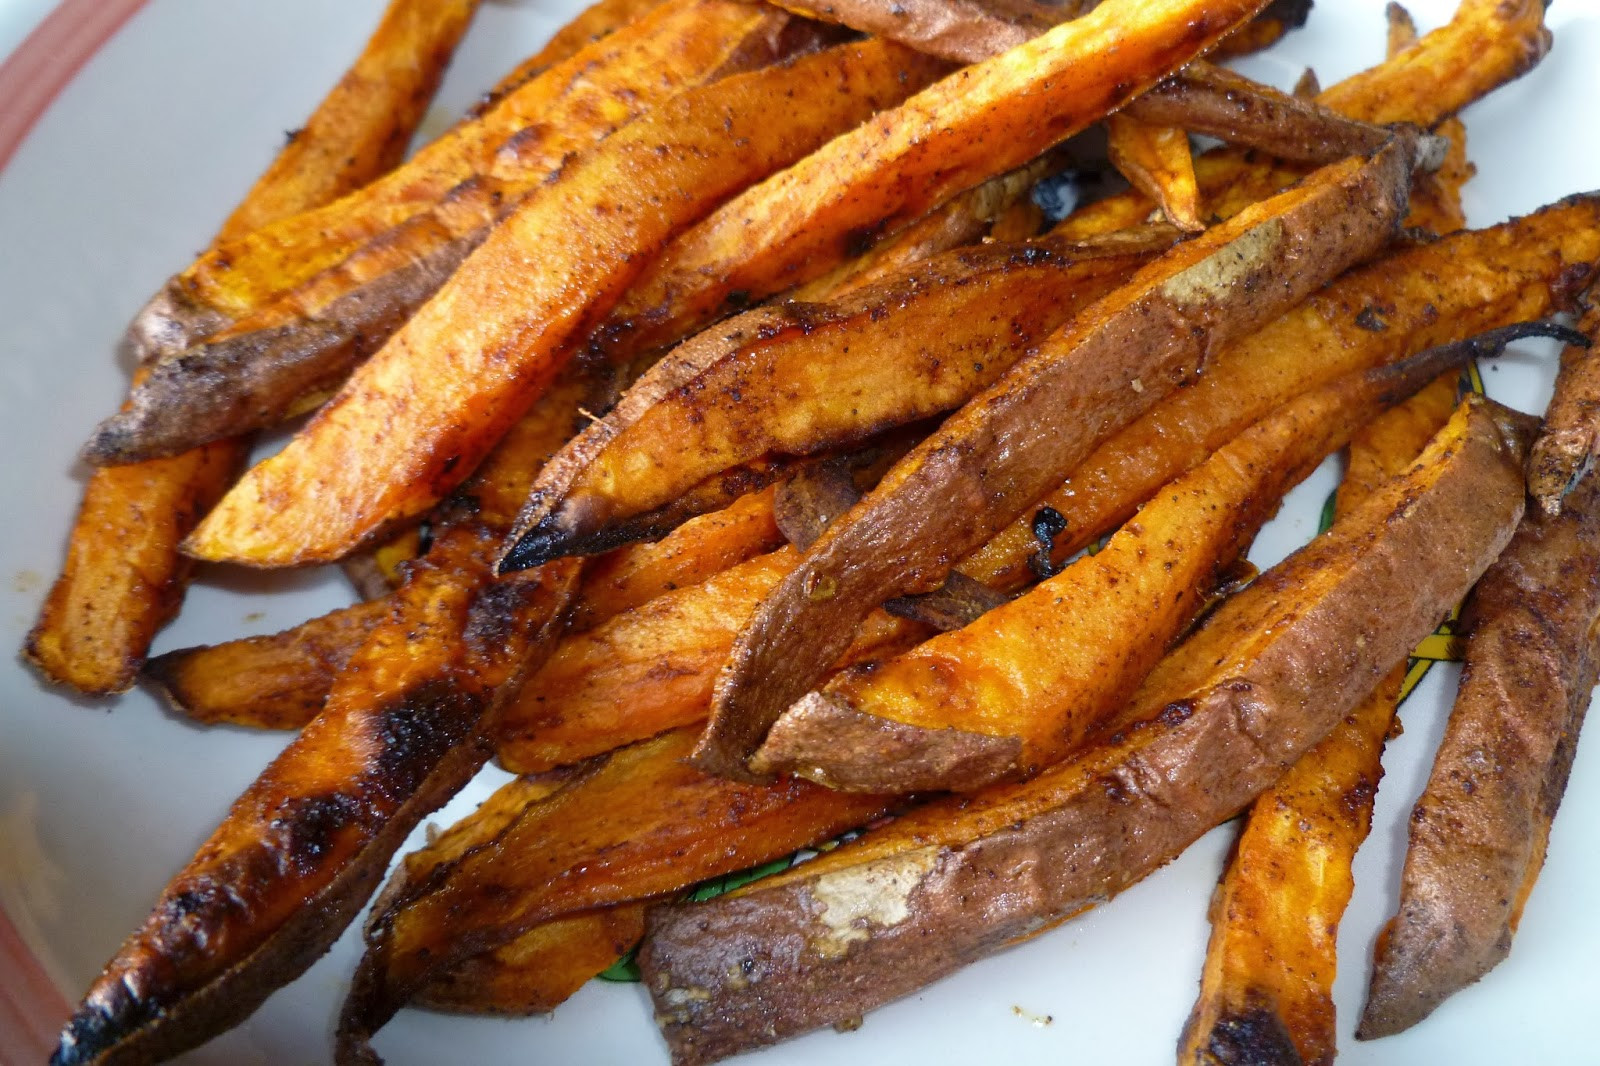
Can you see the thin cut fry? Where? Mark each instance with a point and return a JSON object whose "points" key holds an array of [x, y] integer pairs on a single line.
{"points": [[1157, 161]]}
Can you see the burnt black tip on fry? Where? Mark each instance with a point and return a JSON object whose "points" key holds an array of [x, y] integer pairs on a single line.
{"points": [[539, 545], [1438, 359]]}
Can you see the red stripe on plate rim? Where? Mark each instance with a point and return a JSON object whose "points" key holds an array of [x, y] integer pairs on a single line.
{"points": [[31, 1006]]}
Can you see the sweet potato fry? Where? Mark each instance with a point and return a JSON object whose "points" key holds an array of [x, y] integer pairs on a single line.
{"points": [[1266, 990], [539, 970], [796, 379], [1570, 438], [632, 576], [1024, 686], [641, 824], [417, 417], [964, 31], [650, 669], [1265, 30], [1156, 160], [1415, 298], [1478, 832], [981, 121], [272, 682], [998, 453], [286, 357], [358, 132], [1274, 670], [97, 622], [301, 850]]}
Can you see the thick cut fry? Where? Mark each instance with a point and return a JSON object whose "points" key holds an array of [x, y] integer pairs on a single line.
{"points": [[700, 548], [539, 970], [998, 453], [1273, 671], [358, 132], [1569, 441], [642, 824], [301, 850], [1156, 160], [273, 682], [1413, 299], [979, 122], [97, 622], [1025, 685], [286, 357], [415, 419], [1478, 832], [1266, 991], [651, 669], [796, 379]]}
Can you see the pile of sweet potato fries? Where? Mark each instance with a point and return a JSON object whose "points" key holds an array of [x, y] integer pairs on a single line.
{"points": [[733, 428]]}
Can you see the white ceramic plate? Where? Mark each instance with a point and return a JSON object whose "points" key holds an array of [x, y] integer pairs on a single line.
{"points": [[125, 176]]}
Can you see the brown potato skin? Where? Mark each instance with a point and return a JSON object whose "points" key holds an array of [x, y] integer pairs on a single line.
{"points": [[1275, 916], [266, 366], [1270, 673], [359, 131], [1465, 283], [300, 851], [415, 419], [642, 823], [885, 355], [1570, 437], [981, 121], [1036, 676], [1479, 830], [999, 453]]}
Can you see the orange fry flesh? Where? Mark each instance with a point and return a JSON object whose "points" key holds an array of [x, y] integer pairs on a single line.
{"points": [[1157, 161]]}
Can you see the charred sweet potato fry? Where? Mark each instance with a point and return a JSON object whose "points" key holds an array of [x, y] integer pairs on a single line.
{"points": [[1412, 299], [641, 824], [796, 379], [1272, 672], [997, 454], [1157, 161], [285, 357], [97, 622], [1570, 438], [1266, 991], [1478, 832], [1024, 685], [416, 418], [651, 669], [981, 121], [539, 970], [358, 132], [301, 850], [272, 682]]}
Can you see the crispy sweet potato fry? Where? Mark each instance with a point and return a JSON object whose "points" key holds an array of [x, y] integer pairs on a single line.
{"points": [[1420, 296], [1156, 160], [1218, 721], [300, 851], [998, 453], [796, 379], [273, 682], [1478, 832], [1265, 30], [1570, 438], [981, 121], [415, 419], [97, 622], [1266, 991], [642, 824], [286, 357], [358, 132], [1024, 686], [651, 669], [540, 969]]}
